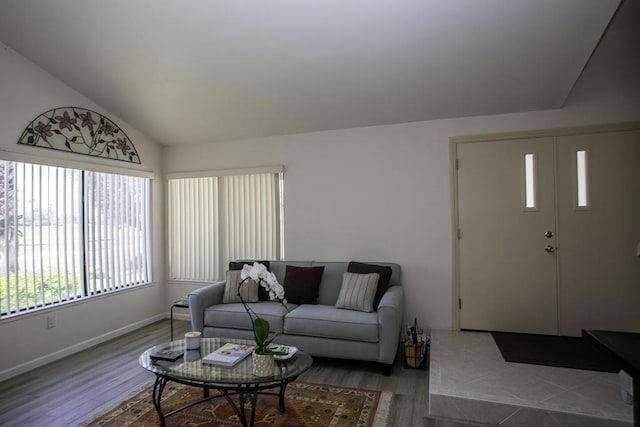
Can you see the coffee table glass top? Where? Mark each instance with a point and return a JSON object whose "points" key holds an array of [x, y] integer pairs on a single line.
{"points": [[189, 368]]}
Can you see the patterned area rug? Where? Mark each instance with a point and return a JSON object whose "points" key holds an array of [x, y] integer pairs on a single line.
{"points": [[306, 404]]}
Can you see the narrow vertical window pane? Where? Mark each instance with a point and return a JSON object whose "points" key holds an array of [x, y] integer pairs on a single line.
{"points": [[581, 161], [530, 194], [116, 247]]}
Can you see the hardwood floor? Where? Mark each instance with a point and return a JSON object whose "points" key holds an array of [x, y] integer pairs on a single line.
{"points": [[67, 391]]}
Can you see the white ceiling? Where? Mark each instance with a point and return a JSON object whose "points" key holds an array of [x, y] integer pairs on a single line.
{"points": [[197, 71]]}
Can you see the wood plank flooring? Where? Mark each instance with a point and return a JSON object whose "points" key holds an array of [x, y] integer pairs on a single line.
{"points": [[65, 392]]}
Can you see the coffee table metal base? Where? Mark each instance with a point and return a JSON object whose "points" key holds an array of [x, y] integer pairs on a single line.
{"points": [[247, 393]]}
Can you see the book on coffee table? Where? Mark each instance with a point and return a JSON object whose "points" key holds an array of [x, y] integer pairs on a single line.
{"points": [[166, 354], [228, 355]]}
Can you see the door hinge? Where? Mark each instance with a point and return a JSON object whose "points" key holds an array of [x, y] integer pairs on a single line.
{"points": [[459, 303], [457, 164], [459, 234]]}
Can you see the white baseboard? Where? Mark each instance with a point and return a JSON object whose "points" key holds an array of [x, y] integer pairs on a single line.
{"points": [[56, 355]]}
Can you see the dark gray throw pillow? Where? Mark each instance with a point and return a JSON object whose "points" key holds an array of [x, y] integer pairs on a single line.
{"points": [[237, 265], [263, 295], [302, 284], [383, 282]]}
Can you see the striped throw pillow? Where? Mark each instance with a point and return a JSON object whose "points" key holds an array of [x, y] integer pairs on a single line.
{"points": [[358, 291], [249, 289]]}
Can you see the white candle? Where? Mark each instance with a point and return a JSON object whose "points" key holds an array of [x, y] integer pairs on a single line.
{"points": [[192, 340]]}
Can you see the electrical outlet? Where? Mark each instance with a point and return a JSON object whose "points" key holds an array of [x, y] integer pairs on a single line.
{"points": [[52, 321]]}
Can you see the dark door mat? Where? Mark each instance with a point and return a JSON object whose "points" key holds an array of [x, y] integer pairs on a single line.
{"points": [[563, 352]]}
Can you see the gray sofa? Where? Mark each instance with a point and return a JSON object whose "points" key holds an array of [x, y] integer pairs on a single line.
{"points": [[319, 329]]}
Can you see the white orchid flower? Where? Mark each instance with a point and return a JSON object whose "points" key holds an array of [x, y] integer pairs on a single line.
{"points": [[275, 289], [278, 290], [255, 272], [259, 273], [271, 279], [246, 271]]}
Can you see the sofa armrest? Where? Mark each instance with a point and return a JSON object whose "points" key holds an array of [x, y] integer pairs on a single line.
{"points": [[202, 298], [390, 318]]}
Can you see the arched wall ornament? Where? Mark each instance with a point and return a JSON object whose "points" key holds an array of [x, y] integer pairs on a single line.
{"points": [[82, 131]]}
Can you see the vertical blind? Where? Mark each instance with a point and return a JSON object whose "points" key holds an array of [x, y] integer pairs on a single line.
{"points": [[117, 237], [67, 234], [193, 228], [216, 219]]}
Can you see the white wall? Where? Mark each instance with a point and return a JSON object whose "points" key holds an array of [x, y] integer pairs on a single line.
{"points": [[383, 193], [25, 92]]}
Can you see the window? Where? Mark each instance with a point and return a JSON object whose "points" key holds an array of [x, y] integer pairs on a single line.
{"points": [[67, 234], [529, 179], [216, 218], [581, 179]]}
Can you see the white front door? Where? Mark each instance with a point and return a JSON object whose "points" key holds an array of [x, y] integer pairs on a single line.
{"points": [[507, 258], [599, 235], [565, 259]]}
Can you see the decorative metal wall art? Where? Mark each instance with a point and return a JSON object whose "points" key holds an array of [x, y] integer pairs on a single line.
{"points": [[82, 131]]}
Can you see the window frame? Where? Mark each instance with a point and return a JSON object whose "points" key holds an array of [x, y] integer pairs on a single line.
{"points": [[84, 291], [219, 252]]}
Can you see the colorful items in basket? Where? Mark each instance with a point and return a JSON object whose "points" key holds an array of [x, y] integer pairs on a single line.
{"points": [[415, 345]]}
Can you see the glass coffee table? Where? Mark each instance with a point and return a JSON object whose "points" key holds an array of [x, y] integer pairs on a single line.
{"points": [[226, 381]]}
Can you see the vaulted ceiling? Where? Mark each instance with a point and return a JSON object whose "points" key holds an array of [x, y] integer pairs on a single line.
{"points": [[197, 71]]}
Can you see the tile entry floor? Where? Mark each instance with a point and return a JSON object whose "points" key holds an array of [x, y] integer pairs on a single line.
{"points": [[470, 383]]}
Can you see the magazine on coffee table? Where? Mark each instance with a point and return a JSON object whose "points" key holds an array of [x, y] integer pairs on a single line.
{"points": [[228, 355], [287, 351]]}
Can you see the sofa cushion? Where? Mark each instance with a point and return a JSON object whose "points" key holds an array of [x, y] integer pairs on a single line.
{"points": [[327, 321], [234, 315], [263, 295], [331, 282], [357, 291], [383, 282], [301, 284], [248, 290]]}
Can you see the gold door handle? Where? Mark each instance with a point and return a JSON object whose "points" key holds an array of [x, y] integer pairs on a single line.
{"points": [[549, 248]]}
